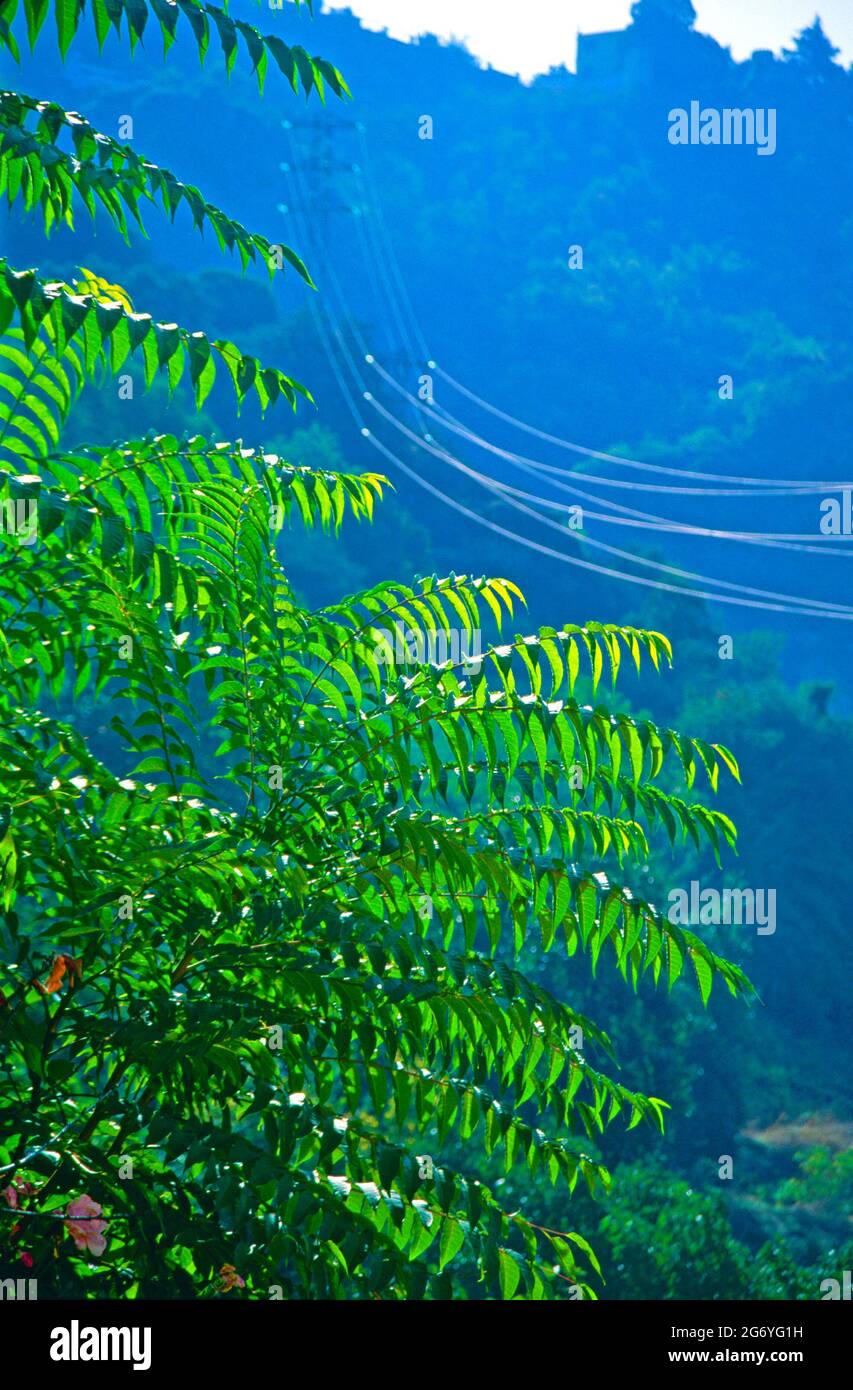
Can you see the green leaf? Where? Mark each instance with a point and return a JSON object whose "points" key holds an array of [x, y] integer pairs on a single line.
{"points": [[451, 1242]]}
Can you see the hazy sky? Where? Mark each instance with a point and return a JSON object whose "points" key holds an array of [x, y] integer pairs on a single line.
{"points": [[529, 36]]}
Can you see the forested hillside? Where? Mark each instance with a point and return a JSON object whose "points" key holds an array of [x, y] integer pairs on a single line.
{"points": [[482, 250]]}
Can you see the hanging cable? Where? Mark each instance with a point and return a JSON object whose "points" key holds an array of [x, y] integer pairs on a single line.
{"points": [[643, 520], [423, 350], [489, 484], [368, 185], [796, 484], [811, 607]]}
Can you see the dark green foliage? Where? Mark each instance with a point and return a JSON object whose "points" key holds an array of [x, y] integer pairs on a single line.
{"points": [[826, 1178], [661, 1238], [666, 1240], [91, 325], [300, 69]]}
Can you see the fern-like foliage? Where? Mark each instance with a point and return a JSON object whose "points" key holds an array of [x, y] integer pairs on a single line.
{"points": [[133, 17], [78, 330], [263, 888], [36, 168]]}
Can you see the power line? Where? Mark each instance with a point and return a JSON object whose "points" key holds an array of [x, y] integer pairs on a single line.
{"points": [[602, 456], [806, 606], [631, 516]]}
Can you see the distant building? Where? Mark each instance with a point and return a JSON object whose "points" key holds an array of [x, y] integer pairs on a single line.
{"points": [[660, 39]]}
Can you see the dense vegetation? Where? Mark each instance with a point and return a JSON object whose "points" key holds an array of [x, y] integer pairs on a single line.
{"points": [[279, 996]]}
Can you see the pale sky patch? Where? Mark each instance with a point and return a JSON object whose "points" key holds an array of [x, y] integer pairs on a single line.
{"points": [[530, 36]]}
